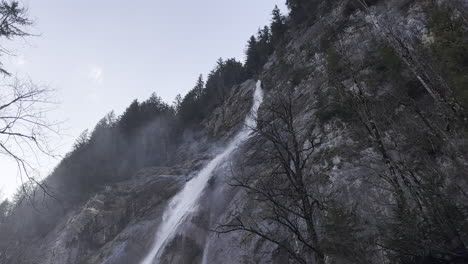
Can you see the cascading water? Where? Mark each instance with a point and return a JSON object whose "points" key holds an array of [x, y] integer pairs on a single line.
{"points": [[184, 202]]}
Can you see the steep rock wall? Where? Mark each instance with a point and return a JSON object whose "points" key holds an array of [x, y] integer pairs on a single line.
{"points": [[318, 66]]}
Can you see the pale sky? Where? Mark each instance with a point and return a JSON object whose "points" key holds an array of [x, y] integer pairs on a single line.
{"points": [[102, 54]]}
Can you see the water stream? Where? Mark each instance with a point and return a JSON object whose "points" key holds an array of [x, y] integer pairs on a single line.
{"points": [[184, 203]]}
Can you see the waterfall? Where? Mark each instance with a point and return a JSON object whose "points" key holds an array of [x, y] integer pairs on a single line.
{"points": [[185, 201]]}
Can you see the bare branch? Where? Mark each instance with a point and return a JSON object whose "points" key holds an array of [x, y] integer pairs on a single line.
{"points": [[24, 128]]}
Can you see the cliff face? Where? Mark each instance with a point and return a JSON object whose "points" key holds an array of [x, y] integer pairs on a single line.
{"points": [[389, 163], [389, 138], [118, 224]]}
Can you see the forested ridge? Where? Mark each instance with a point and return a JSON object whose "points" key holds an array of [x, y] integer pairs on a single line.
{"points": [[145, 134]]}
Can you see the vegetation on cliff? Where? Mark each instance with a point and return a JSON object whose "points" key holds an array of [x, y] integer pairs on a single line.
{"points": [[360, 154]]}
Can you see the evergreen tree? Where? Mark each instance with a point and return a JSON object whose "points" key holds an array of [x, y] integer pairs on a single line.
{"points": [[204, 97], [253, 56], [258, 50], [130, 118], [177, 102], [219, 64], [264, 35], [199, 87], [189, 110], [303, 10], [13, 24], [278, 26], [82, 140], [265, 47], [233, 73], [152, 108], [103, 127]]}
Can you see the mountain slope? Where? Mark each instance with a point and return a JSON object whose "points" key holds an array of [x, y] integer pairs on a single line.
{"points": [[380, 114]]}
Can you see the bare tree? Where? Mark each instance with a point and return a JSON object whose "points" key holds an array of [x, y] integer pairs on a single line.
{"points": [[286, 191], [24, 128]]}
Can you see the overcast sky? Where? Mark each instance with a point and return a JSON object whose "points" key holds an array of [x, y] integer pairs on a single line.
{"points": [[102, 54]]}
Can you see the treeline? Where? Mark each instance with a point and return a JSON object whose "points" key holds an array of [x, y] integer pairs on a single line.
{"points": [[146, 134], [205, 97], [114, 149]]}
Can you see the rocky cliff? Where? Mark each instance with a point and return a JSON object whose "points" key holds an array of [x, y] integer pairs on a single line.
{"points": [[387, 170]]}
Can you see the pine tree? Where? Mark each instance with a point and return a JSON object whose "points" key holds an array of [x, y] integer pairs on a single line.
{"points": [[252, 55], [278, 26], [82, 140], [264, 42], [177, 102], [130, 118], [303, 10], [258, 50], [199, 87]]}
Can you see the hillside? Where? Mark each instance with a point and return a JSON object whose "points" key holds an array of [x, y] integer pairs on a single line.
{"points": [[357, 152]]}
